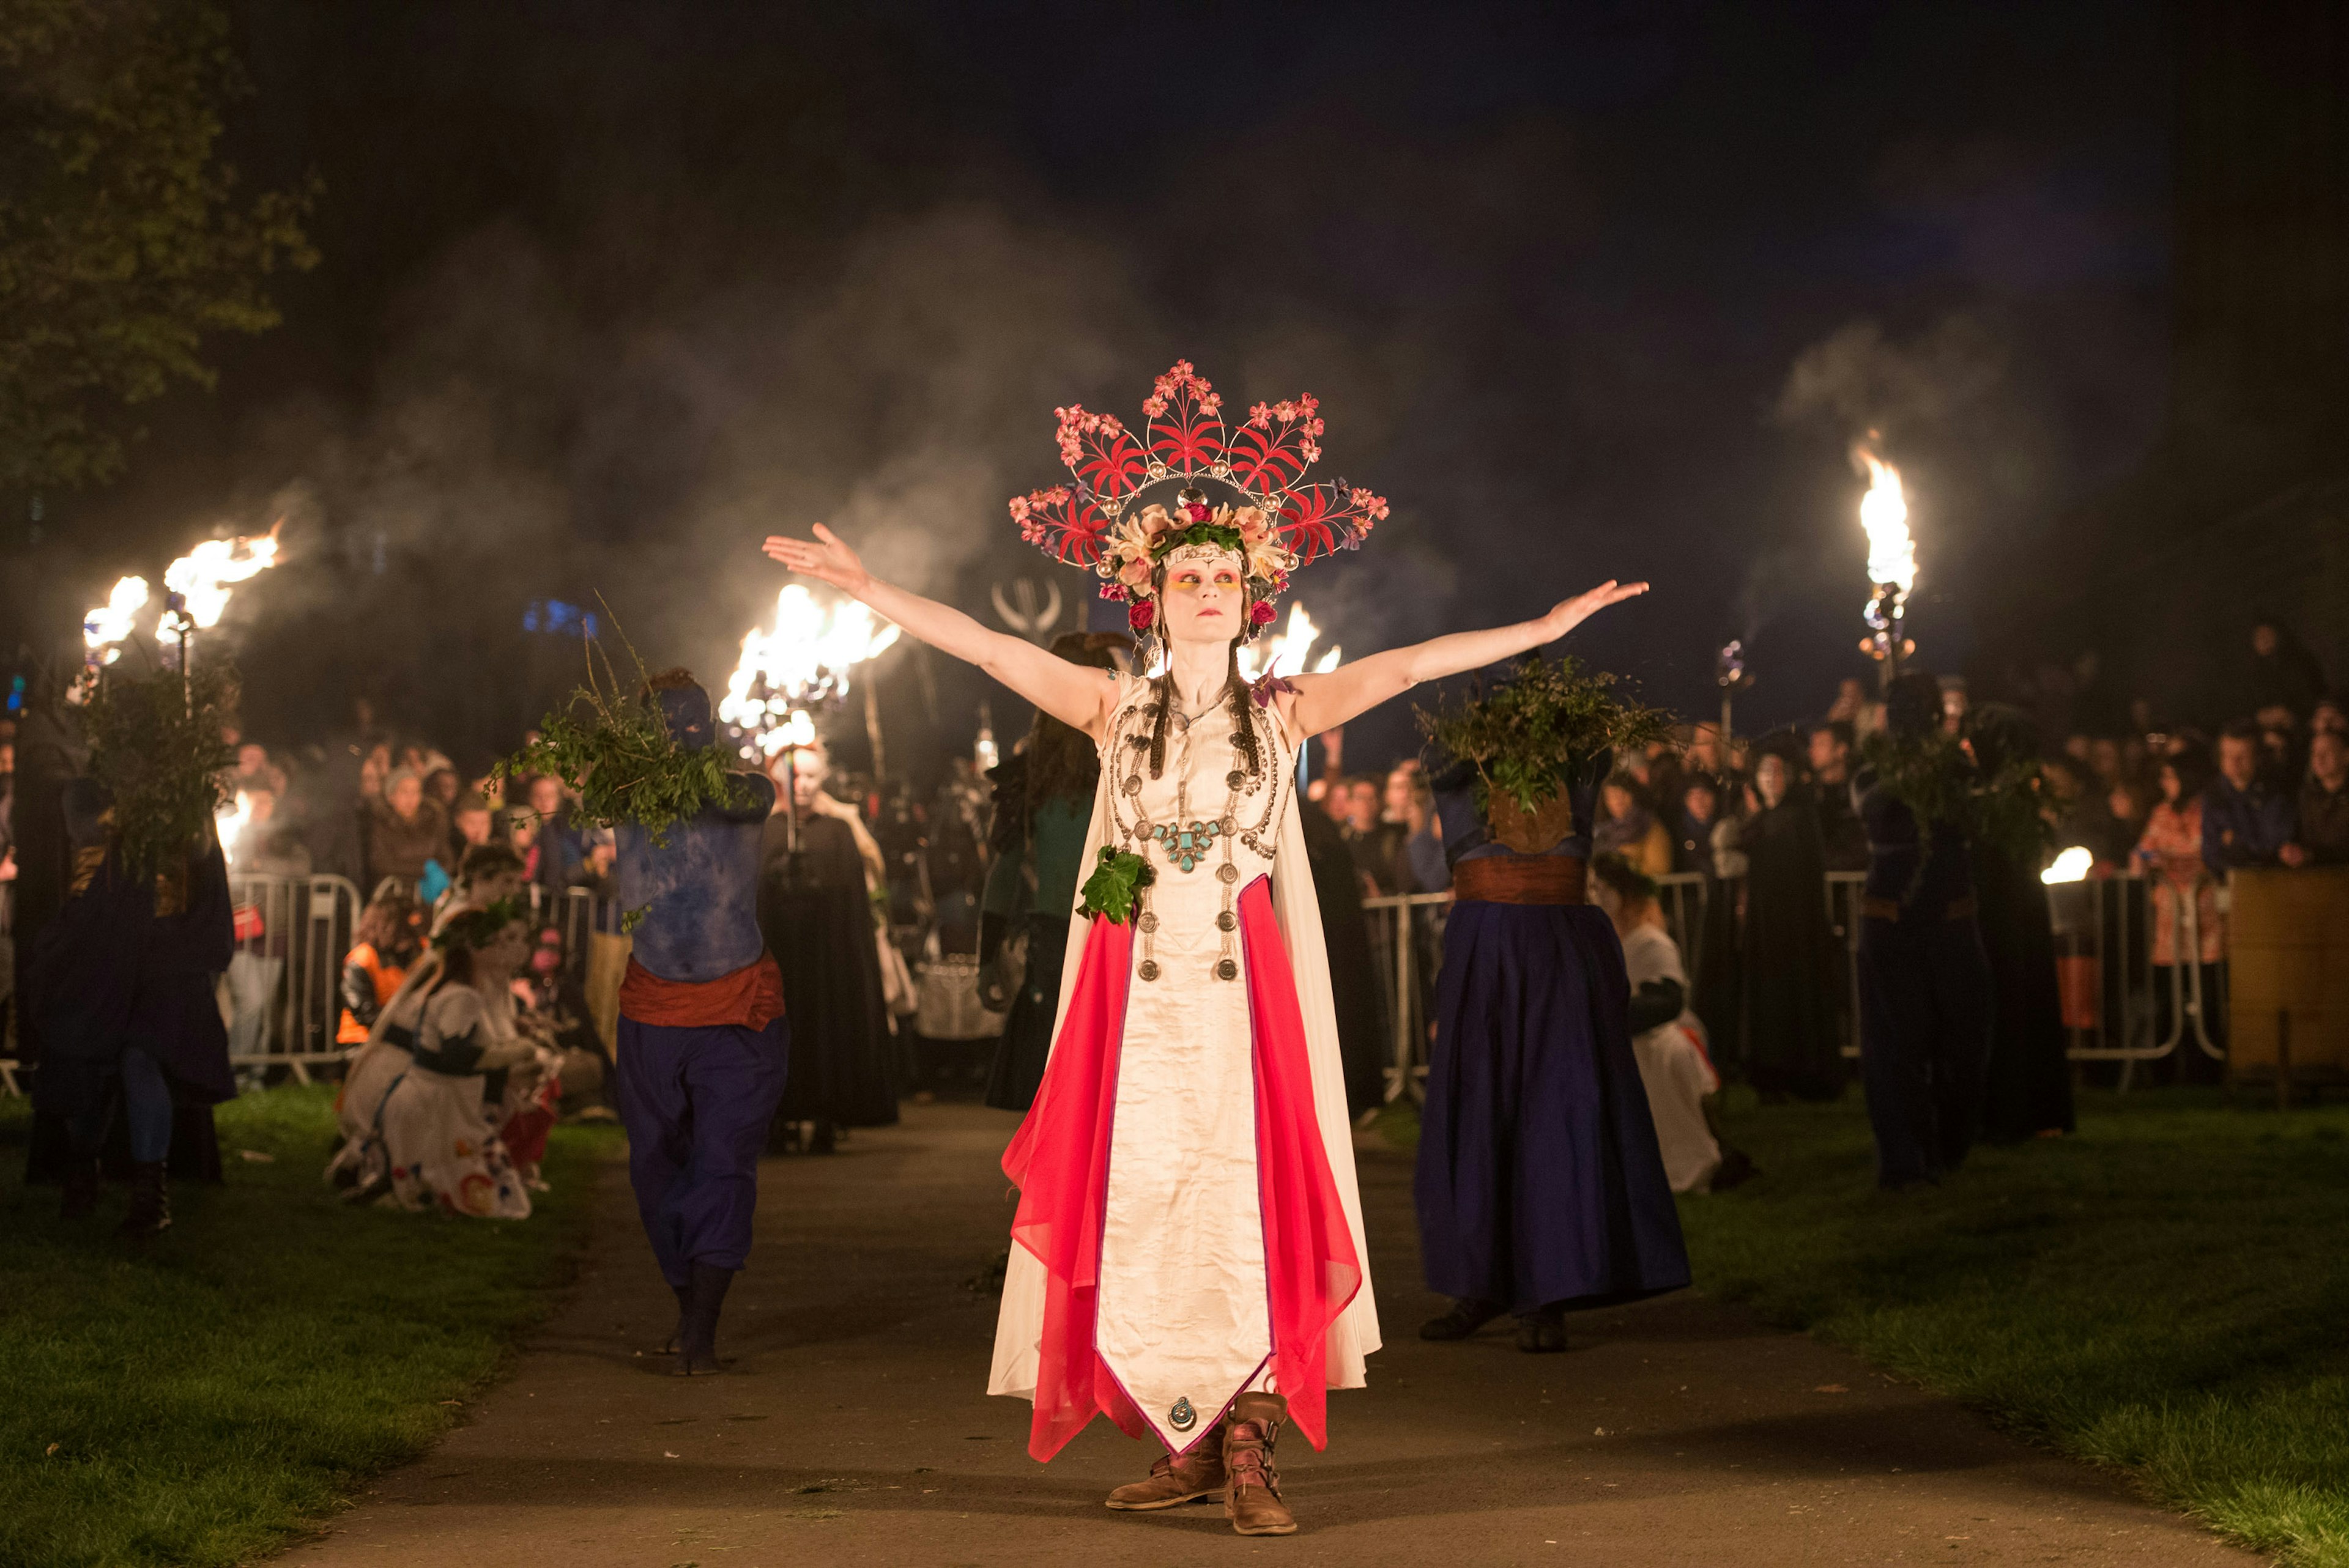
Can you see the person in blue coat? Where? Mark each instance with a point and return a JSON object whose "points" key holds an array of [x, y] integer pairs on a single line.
{"points": [[121, 991], [1925, 981], [1540, 1187]]}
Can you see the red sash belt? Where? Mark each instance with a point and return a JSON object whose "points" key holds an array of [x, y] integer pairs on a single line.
{"points": [[1522, 879], [752, 996]]}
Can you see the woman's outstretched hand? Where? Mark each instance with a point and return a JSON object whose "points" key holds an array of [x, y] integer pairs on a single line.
{"points": [[1568, 614], [827, 559]]}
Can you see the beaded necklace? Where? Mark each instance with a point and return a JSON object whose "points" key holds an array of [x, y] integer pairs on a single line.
{"points": [[1185, 843]]}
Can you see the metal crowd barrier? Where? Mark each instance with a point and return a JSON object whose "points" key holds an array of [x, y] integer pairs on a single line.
{"points": [[2118, 1005], [283, 983]]}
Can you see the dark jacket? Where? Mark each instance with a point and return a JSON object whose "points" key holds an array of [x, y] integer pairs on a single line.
{"points": [[2323, 828], [2243, 826], [398, 847]]}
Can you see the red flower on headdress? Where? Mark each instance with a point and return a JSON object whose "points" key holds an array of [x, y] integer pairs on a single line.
{"points": [[1197, 511], [1260, 613], [1140, 615]]}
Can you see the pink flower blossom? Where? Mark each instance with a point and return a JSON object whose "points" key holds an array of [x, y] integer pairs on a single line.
{"points": [[1197, 511], [1113, 591], [1135, 574]]}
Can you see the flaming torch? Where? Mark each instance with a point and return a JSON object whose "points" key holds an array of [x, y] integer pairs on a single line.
{"points": [[106, 628], [198, 583], [1891, 563], [803, 661], [232, 820], [1287, 653]]}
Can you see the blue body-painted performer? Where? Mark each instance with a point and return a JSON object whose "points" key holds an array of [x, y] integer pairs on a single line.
{"points": [[704, 1045], [1925, 982], [1540, 1187]]}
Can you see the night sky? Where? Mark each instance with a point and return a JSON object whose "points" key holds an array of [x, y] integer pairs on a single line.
{"points": [[612, 291]]}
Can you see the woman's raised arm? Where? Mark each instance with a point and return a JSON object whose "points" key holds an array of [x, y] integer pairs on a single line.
{"points": [[1076, 695], [1326, 701]]}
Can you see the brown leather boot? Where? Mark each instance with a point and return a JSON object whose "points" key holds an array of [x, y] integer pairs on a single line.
{"points": [[1177, 1479], [1252, 1494]]}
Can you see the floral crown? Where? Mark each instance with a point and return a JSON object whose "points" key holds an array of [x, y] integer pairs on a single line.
{"points": [[1273, 520], [477, 928]]}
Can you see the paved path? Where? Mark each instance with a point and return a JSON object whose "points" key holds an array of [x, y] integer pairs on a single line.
{"points": [[853, 1429]]}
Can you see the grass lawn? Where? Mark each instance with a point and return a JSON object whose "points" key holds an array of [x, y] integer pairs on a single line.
{"points": [[2167, 1293], [201, 1399]]}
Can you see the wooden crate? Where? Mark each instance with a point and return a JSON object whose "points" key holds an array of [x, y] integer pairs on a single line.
{"points": [[2287, 955]]}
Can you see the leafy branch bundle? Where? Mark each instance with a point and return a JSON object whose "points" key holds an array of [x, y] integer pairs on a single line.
{"points": [[1935, 775], [611, 746], [1541, 726], [155, 742]]}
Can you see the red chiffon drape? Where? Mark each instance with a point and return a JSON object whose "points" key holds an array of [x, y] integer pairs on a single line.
{"points": [[1059, 1161]]}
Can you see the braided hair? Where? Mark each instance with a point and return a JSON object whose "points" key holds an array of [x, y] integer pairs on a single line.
{"points": [[1235, 692]]}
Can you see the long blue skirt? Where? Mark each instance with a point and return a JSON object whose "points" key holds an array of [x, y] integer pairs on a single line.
{"points": [[1539, 1182]]}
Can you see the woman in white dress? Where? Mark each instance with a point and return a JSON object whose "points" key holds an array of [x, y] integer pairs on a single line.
{"points": [[1190, 1258], [439, 1119]]}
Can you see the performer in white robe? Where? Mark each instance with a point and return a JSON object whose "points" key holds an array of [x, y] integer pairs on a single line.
{"points": [[1190, 1257], [1668, 1038]]}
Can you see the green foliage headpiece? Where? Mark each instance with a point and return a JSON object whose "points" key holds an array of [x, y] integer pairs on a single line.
{"points": [[1544, 724]]}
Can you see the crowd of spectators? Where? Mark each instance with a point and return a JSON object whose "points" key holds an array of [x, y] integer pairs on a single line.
{"points": [[2182, 804]]}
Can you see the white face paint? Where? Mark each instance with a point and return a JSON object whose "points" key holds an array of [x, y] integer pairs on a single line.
{"points": [[1770, 780], [1204, 599]]}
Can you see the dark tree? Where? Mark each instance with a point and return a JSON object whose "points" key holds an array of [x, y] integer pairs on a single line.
{"points": [[124, 242]]}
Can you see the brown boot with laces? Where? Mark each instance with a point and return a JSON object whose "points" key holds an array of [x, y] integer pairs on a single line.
{"points": [[1252, 1494], [1178, 1477]]}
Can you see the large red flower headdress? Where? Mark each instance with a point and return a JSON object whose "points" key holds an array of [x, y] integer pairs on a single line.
{"points": [[1237, 489]]}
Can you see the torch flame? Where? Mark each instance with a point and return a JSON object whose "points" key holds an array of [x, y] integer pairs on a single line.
{"points": [[231, 820], [1286, 654], [2073, 866], [805, 657], [1884, 513], [110, 623], [201, 577]]}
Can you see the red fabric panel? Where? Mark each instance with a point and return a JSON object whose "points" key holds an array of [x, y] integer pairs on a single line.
{"points": [[752, 996], [1059, 1161], [1308, 1252]]}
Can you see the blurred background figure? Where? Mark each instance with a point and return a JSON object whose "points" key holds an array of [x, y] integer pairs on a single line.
{"points": [[1043, 805], [1789, 964], [816, 911]]}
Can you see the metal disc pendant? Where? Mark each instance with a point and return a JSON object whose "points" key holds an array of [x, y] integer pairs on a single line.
{"points": [[1134, 784], [1225, 921], [1227, 969], [1183, 1418], [1234, 779], [1149, 970], [1227, 874], [1149, 921], [1227, 825]]}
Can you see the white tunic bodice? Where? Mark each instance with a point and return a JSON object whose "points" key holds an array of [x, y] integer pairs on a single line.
{"points": [[1185, 1317]]}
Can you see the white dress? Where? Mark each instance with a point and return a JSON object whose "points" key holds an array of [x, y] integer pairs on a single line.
{"points": [[1673, 1067], [442, 1144], [1184, 1319]]}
